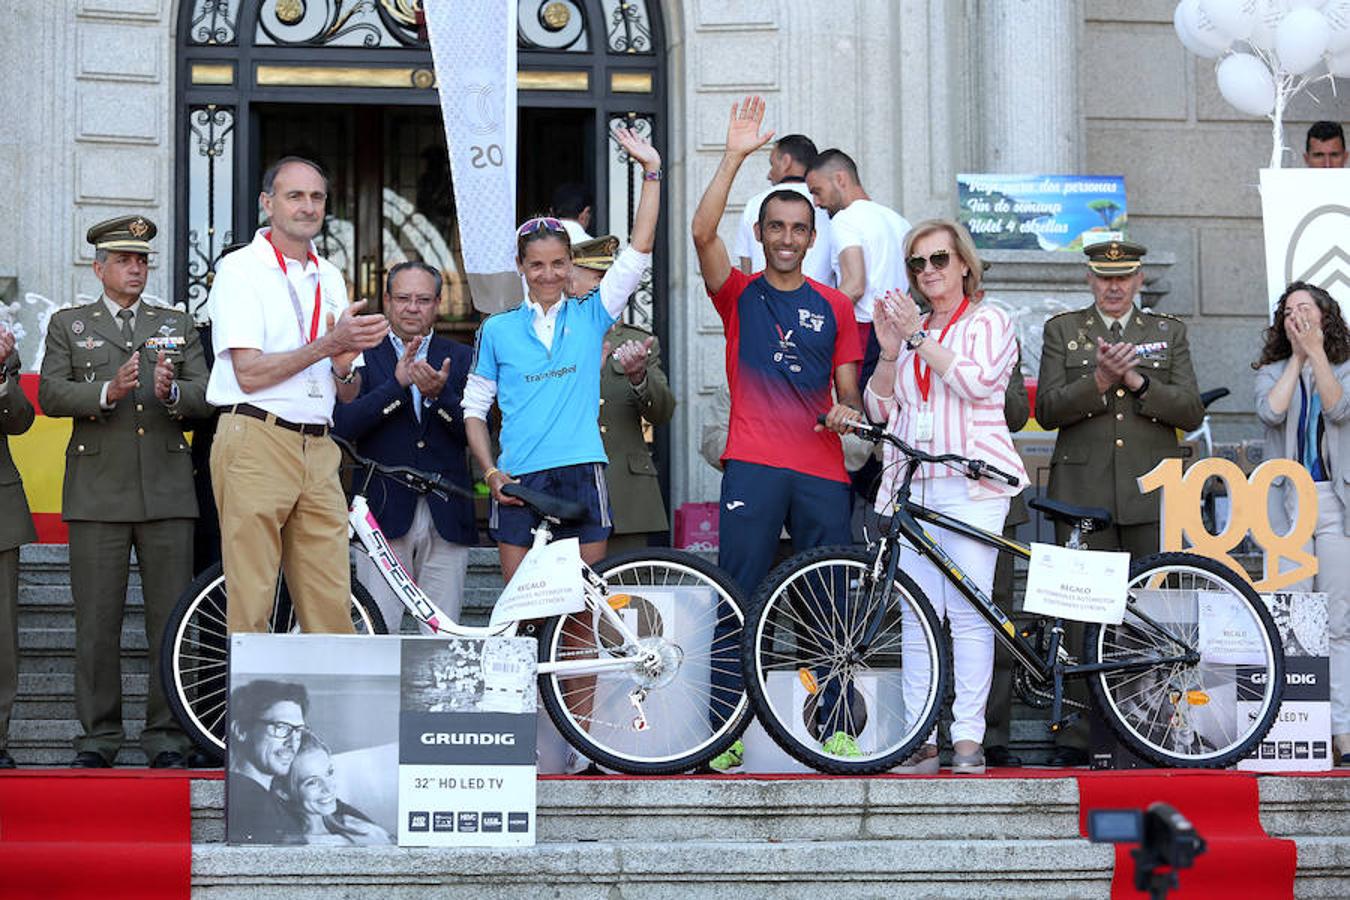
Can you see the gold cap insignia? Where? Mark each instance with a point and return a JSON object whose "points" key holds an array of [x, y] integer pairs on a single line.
{"points": [[139, 228]]}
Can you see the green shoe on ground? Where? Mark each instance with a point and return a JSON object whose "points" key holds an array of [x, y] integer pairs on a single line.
{"points": [[843, 745], [729, 760]]}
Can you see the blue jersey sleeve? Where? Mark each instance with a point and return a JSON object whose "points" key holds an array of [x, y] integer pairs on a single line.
{"points": [[485, 352]]}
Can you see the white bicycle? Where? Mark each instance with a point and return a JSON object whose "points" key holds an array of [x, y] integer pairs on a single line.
{"points": [[642, 675]]}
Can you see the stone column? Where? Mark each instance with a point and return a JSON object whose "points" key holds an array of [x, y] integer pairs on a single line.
{"points": [[1027, 59]]}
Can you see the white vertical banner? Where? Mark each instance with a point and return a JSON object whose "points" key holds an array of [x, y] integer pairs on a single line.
{"points": [[1306, 216], [473, 43]]}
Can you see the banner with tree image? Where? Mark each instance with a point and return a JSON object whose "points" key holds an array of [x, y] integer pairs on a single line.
{"points": [[1042, 212]]}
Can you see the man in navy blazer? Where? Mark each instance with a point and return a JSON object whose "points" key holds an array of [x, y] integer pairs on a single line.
{"points": [[408, 414]]}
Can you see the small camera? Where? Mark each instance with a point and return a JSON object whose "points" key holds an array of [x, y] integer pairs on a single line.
{"points": [[1166, 839]]}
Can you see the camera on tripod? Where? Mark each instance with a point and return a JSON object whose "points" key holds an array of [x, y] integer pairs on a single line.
{"points": [[1167, 843]]}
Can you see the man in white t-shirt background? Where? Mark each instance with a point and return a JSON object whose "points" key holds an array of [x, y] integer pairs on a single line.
{"points": [[868, 238], [787, 169]]}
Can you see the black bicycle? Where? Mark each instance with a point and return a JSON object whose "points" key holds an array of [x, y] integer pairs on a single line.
{"points": [[839, 639]]}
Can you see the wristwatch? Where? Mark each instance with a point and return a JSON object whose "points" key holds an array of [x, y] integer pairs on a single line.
{"points": [[345, 379], [915, 339], [1143, 387]]}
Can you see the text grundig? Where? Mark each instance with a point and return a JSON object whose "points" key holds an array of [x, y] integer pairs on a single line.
{"points": [[469, 738]]}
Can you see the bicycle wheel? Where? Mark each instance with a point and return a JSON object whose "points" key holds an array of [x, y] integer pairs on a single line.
{"points": [[1206, 666], [810, 677], [690, 613], [194, 650]]}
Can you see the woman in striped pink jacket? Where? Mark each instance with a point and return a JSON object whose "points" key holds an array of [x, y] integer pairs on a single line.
{"points": [[939, 387]]}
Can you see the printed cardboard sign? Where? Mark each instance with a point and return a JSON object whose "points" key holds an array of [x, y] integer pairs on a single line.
{"points": [[375, 740], [547, 583], [1083, 585]]}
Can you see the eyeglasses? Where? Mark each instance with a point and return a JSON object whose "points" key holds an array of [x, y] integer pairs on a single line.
{"points": [[283, 730], [423, 300], [541, 223], [940, 260]]}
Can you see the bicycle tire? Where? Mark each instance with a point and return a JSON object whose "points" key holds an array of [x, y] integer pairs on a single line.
{"points": [[782, 640], [688, 727], [193, 652], [1185, 724]]}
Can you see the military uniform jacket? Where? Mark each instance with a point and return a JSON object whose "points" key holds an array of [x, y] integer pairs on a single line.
{"points": [[634, 490], [16, 416], [131, 463], [1106, 442]]}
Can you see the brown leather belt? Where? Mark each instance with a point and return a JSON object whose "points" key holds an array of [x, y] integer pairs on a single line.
{"points": [[253, 412]]}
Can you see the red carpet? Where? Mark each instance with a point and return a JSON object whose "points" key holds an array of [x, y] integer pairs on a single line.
{"points": [[114, 835], [1241, 860]]}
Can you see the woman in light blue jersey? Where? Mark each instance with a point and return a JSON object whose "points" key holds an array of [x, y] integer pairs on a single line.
{"points": [[541, 363]]}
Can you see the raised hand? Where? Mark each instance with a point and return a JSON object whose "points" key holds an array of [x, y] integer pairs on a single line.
{"points": [[639, 148], [353, 333], [886, 324], [164, 375], [1305, 339], [428, 380], [403, 369], [632, 355], [743, 137], [125, 381]]}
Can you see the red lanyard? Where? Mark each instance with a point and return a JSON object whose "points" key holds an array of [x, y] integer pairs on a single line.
{"points": [[318, 292], [924, 374]]}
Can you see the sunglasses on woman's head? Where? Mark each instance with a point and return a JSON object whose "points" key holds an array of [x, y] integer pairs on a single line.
{"points": [[940, 259], [541, 223]]}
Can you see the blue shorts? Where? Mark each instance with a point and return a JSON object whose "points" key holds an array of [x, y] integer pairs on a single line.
{"points": [[584, 483]]}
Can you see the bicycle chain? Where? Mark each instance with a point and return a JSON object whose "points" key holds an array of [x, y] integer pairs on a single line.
{"points": [[1041, 698]]}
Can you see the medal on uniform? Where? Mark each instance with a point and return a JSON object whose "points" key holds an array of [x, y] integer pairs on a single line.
{"points": [[923, 424]]}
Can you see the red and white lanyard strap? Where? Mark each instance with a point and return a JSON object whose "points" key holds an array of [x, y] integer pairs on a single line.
{"points": [[923, 374], [295, 299]]}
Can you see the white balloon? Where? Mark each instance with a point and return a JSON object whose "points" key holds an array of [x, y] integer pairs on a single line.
{"points": [[1268, 16], [1306, 4], [1234, 18], [1337, 14], [1204, 39], [1246, 83], [1301, 39], [1339, 64]]}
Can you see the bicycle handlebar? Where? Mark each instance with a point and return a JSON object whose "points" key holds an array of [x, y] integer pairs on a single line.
{"points": [[416, 479], [975, 469]]}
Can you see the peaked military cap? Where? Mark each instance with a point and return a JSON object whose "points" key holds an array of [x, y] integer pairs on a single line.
{"points": [[128, 233], [1115, 257], [597, 253]]}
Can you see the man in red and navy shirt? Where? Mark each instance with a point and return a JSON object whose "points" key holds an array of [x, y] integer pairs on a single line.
{"points": [[792, 355]]}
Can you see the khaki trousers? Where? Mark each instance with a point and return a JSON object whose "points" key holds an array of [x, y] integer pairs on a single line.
{"points": [[9, 638], [281, 509], [100, 559]]}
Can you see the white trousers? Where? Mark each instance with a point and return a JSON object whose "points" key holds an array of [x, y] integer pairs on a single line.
{"points": [[1331, 546], [438, 567], [972, 638]]}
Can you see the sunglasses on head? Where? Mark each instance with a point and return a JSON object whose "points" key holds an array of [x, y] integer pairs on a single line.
{"points": [[940, 259], [540, 223]]}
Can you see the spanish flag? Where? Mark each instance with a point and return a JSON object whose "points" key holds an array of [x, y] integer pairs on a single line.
{"points": [[40, 454]]}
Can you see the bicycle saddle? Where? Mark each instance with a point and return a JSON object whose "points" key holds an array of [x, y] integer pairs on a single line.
{"points": [[1070, 514], [546, 505]]}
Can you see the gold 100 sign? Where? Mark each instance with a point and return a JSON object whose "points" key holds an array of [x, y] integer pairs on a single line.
{"points": [[1182, 524]]}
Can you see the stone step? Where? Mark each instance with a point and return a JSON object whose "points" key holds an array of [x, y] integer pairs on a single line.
{"points": [[36, 686], [608, 870], [50, 742], [62, 639], [744, 809]]}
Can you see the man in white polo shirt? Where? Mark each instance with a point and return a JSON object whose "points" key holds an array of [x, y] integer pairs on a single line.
{"points": [[286, 344], [787, 169]]}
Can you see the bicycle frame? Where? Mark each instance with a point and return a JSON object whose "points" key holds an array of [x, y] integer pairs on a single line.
{"points": [[363, 527], [905, 518]]}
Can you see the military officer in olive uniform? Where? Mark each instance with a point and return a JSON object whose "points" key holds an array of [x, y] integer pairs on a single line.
{"points": [[632, 389], [128, 373], [1117, 382], [16, 528]]}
